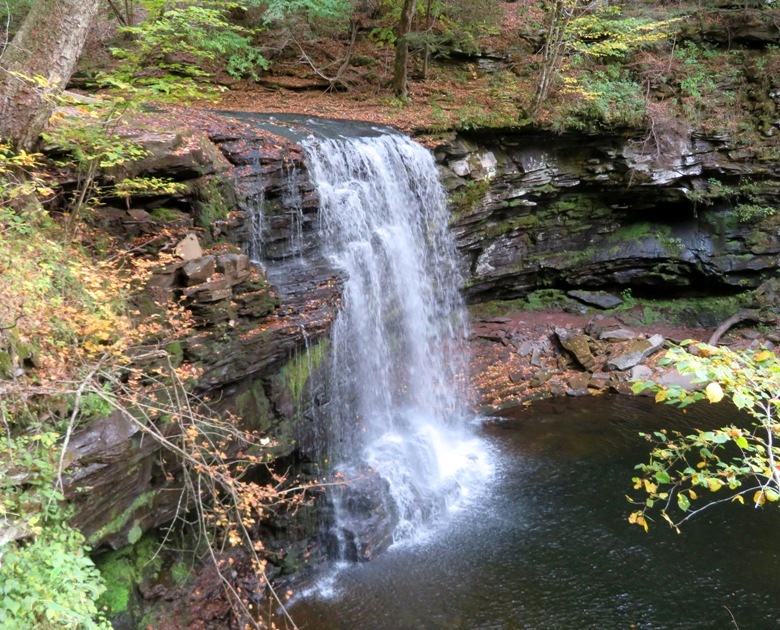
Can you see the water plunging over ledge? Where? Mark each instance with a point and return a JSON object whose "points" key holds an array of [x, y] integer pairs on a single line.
{"points": [[389, 413], [396, 420]]}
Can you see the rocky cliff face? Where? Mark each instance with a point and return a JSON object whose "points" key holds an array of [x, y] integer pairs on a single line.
{"points": [[535, 210], [251, 322]]}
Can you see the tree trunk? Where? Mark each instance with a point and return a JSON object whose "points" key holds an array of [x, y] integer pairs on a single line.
{"points": [[400, 70], [560, 15], [47, 45], [428, 26]]}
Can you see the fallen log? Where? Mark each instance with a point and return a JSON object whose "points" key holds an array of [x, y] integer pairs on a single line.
{"points": [[745, 315]]}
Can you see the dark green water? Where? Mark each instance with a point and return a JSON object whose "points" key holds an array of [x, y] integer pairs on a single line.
{"points": [[546, 544]]}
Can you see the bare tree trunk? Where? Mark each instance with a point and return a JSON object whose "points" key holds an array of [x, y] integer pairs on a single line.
{"points": [[428, 26], [400, 70], [745, 315], [560, 14], [47, 45]]}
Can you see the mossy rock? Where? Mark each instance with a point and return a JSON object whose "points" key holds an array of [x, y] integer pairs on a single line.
{"points": [[169, 215], [215, 199], [116, 569], [123, 571], [254, 407]]}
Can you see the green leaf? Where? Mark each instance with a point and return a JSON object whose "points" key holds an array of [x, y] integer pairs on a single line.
{"points": [[683, 502], [741, 441]]}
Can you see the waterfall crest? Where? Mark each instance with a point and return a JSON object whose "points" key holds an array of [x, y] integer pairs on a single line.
{"points": [[396, 401]]}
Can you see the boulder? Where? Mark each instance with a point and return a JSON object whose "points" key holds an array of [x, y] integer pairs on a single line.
{"points": [[621, 334], [233, 266], [599, 299], [599, 380], [637, 352], [673, 377], [579, 381], [219, 289], [577, 343], [368, 516], [640, 373], [189, 248], [199, 270], [540, 378]]}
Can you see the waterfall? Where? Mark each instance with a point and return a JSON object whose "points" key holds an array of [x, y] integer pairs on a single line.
{"points": [[292, 201], [396, 402], [257, 226]]}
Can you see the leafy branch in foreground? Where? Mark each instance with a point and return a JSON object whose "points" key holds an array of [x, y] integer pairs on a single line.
{"points": [[732, 461]]}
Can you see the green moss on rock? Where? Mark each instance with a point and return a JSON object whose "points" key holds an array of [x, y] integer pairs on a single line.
{"points": [[297, 371]]}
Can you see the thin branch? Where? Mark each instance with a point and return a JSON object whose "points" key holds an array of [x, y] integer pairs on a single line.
{"points": [[118, 13]]}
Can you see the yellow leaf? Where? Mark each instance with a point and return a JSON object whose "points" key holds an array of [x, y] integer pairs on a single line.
{"points": [[636, 518], [660, 395], [650, 488], [714, 392], [763, 355], [714, 485], [692, 494], [759, 498], [701, 465], [739, 498]]}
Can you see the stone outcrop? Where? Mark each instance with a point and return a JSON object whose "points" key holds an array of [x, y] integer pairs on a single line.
{"points": [[530, 356], [573, 211], [636, 352], [249, 322]]}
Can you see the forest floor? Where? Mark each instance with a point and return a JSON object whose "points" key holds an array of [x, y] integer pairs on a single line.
{"points": [[454, 92]]}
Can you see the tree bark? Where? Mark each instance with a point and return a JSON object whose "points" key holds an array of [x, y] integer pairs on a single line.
{"points": [[48, 45], [400, 70]]}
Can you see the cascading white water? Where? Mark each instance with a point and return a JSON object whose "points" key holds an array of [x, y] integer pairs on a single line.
{"points": [[397, 363], [292, 201], [257, 227]]}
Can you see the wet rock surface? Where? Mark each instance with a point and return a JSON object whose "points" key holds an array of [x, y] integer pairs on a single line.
{"points": [[249, 320]]}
